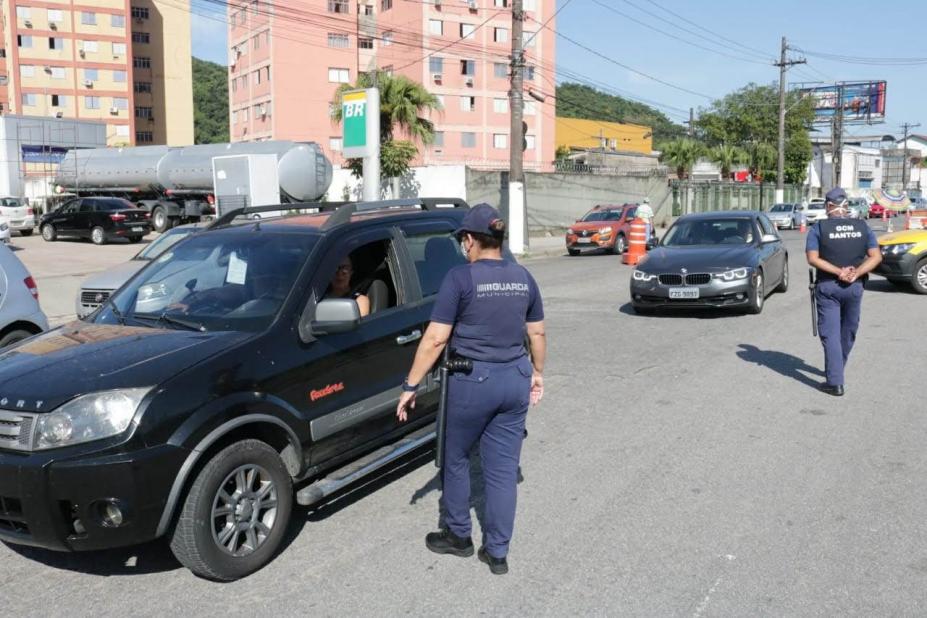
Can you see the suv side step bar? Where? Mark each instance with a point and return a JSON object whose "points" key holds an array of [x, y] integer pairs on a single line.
{"points": [[338, 479]]}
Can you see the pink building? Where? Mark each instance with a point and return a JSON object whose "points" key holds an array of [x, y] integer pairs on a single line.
{"points": [[287, 61]]}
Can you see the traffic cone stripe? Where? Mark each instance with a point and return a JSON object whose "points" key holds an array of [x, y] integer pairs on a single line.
{"points": [[637, 242]]}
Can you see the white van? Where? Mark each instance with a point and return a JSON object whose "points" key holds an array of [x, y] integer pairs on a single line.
{"points": [[20, 314]]}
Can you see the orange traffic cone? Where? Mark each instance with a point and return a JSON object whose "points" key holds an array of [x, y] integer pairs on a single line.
{"points": [[803, 227], [637, 244], [907, 220]]}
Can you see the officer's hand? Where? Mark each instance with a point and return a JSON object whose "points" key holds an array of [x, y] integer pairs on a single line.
{"points": [[406, 403], [537, 389]]}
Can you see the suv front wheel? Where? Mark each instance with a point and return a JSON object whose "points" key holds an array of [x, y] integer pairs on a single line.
{"points": [[236, 513]]}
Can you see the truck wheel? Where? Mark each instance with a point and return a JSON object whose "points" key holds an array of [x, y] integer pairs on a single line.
{"points": [[14, 337], [236, 513], [26, 232], [49, 233], [98, 236], [160, 220]]}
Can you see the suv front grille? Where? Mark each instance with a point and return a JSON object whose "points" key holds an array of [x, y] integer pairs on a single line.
{"points": [[698, 279], [671, 279], [11, 516], [94, 298], [16, 430]]}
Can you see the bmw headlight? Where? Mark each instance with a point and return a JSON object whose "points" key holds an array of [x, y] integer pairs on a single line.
{"points": [[88, 418], [897, 249], [151, 291], [733, 274], [639, 275]]}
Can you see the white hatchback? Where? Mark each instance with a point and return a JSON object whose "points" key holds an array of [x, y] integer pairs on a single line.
{"points": [[21, 216], [815, 210], [4, 229], [20, 314]]}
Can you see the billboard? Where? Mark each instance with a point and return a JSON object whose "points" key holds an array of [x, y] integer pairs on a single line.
{"points": [[860, 101]]}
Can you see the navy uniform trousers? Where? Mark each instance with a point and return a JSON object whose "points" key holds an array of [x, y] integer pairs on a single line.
{"points": [[488, 405], [838, 320]]}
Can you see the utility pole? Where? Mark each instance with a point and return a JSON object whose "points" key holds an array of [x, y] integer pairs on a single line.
{"points": [[516, 103], [904, 158], [783, 64], [837, 136]]}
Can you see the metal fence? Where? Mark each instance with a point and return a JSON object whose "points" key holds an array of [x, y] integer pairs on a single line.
{"points": [[690, 197]]}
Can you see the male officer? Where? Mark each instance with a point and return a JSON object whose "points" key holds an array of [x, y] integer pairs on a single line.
{"points": [[844, 251], [484, 308]]}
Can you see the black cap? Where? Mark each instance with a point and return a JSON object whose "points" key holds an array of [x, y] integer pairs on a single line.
{"points": [[480, 220], [836, 196]]}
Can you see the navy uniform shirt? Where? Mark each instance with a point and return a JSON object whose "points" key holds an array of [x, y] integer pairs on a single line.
{"points": [[846, 244], [488, 302]]}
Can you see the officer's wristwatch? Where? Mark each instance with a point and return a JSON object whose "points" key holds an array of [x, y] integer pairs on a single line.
{"points": [[409, 388]]}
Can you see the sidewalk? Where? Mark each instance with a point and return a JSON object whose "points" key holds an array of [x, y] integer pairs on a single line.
{"points": [[545, 246]]}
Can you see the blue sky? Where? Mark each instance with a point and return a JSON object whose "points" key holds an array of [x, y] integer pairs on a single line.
{"points": [[847, 28]]}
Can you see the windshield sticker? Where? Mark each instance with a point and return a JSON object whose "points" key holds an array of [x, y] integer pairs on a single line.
{"points": [[238, 269]]}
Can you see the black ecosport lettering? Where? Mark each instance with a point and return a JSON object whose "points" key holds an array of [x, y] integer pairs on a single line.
{"points": [[221, 377]]}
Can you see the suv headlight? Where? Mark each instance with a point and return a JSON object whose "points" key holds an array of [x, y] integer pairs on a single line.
{"points": [[733, 274], [570, 231], [897, 249], [88, 418], [639, 275], [605, 231]]}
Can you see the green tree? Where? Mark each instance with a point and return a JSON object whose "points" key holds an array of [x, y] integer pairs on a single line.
{"points": [[578, 101], [210, 102], [727, 156], [681, 155]]}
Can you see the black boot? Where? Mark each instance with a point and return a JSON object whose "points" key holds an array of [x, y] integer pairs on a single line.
{"points": [[498, 566], [446, 542], [832, 389]]}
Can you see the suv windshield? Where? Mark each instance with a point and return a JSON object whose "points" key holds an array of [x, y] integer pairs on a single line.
{"points": [[225, 280], [781, 208], [603, 215], [709, 232], [164, 242]]}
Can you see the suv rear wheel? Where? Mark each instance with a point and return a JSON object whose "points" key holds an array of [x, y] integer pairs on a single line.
{"points": [[621, 245], [49, 234], [236, 513]]}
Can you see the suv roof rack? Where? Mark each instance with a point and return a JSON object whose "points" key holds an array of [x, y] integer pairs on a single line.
{"points": [[343, 214], [318, 207]]}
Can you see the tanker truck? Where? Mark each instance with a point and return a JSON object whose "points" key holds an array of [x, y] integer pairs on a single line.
{"points": [[175, 185]]}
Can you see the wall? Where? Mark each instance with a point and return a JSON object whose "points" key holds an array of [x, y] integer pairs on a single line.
{"points": [[434, 181], [578, 133]]}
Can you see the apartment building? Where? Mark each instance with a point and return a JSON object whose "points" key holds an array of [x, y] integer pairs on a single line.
{"points": [[89, 60], [286, 64]]}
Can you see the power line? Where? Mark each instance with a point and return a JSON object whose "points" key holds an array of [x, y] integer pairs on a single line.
{"points": [[874, 61]]}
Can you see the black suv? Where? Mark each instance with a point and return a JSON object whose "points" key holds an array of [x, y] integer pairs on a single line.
{"points": [[98, 218], [221, 377]]}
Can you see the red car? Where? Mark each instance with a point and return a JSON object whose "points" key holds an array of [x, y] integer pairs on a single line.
{"points": [[607, 226], [875, 210]]}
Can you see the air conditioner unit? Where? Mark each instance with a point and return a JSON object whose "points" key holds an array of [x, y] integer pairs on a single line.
{"points": [[437, 77], [469, 81], [27, 23], [82, 53], [88, 83], [471, 4], [59, 114], [53, 25], [150, 119], [114, 111], [263, 111]]}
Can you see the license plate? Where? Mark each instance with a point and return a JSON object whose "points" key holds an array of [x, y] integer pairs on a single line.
{"points": [[16, 223], [583, 241], [138, 229], [683, 293]]}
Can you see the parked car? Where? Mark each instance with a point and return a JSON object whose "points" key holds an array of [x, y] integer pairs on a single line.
{"points": [[876, 210], [222, 377], [815, 210], [859, 208], [97, 288], [714, 259], [20, 314], [607, 226], [786, 216], [20, 214], [100, 219], [904, 258], [5, 232]]}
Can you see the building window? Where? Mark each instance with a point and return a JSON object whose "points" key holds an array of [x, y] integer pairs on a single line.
{"points": [[338, 6], [467, 30], [57, 73], [529, 73], [468, 67], [500, 140], [120, 103], [88, 18], [439, 139], [140, 12], [501, 3], [88, 46], [338, 40], [141, 37], [339, 76], [119, 76], [234, 85], [436, 27], [26, 70], [117, 21], [467, 104], [141, 62], [24, 40], [529, 5], [436, 64], [440, 98], [142, 112], [235, 116], [122, 130], [59, 100], [500, 106], [386, 5], [55, 42], [500, 35], [367, 9], [257, 77], [365, 43], [334, 144], [468, 139], [141, 87], [92, 102], [529, 140], [500, 69], [119, 49], [530, 108], [528, 38], [244, 114], [143, 137], [257, 42], [388, 38], [28, 99], [55, 16], [267, 73], [23, 12], [91, 75]]}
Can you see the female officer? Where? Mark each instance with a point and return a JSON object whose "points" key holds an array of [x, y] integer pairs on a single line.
{"points": [[484, 308]]}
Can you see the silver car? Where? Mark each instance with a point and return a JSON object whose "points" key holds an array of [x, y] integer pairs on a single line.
{"points": [[20, 314], [95, 290], [21, 217], [786, 216]]}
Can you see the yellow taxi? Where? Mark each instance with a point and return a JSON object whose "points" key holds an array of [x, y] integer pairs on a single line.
{"points": [[904, 258]]}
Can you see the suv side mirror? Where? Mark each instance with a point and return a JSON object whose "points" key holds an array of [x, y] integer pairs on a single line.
{"points": [[335, 315]]}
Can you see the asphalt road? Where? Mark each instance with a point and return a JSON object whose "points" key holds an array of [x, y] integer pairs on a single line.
{"points": [[679, 465]]}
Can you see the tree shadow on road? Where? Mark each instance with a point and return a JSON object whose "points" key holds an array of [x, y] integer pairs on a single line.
{"points": [[784, 364]]}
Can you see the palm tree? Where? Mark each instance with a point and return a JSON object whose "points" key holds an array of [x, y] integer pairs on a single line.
{"points": [[727, 157], [681, 154], [762, 159], [402, 103]]}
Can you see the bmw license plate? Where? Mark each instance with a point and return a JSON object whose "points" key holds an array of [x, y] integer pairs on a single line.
{"points": [[683, 293], [138, 229], [583, 241]]}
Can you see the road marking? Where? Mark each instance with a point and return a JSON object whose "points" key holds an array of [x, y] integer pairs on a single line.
{"points": [[704, 604]]}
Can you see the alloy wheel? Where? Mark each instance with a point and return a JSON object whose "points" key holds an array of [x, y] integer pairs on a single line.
{"points": [[760, 297], [921, 276], [244, 510]]}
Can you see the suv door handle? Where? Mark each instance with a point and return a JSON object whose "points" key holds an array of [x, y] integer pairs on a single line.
{"points": [[413, 336]]}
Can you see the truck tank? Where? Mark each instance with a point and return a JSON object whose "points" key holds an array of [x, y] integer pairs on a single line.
{"points": [[304, 171]]}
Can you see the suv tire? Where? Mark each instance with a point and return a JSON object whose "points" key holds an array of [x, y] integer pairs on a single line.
{"points": [[49, 234], [247, 484], [620, 245], [98, 236], [14, 336]]}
